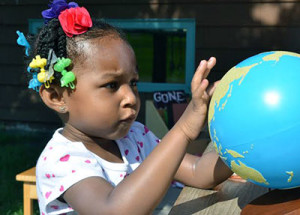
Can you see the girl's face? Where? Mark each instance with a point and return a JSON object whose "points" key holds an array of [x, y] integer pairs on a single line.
{"points": [[105, 101]]}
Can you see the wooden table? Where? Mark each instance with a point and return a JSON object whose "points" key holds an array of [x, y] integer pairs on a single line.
{"points": [[227, 198], [29, 189]]}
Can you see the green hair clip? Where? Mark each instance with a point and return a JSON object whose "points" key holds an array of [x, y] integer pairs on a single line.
{"points": [[67, 76]]}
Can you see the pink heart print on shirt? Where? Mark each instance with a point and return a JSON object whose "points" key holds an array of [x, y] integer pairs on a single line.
{"points": [[87, 161], [61, 189], [65, 158], [146, 130], [48, 194], [126, 152], [124, 176], [49, 176], [55, 207], [141, 144]]}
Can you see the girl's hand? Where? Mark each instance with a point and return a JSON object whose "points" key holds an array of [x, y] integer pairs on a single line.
{"points": [[199, 85], [194, 117]]}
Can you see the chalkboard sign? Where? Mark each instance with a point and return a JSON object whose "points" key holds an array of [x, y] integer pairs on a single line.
{"points": [[163, 99]]}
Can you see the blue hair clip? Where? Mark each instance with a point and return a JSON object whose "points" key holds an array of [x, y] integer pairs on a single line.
{"points": [[34, 83], [23, 42]]}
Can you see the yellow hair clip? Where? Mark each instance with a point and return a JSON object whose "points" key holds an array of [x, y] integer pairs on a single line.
{"points": [[38, 62], [43, 76]]}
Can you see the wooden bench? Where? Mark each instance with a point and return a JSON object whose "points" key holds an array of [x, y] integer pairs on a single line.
{"points": [[29, 189]]}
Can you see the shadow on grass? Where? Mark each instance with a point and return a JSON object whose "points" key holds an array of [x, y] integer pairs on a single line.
{"points": [[19, 151]]}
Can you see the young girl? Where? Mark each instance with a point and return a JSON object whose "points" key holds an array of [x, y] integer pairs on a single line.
{"points": [[102, 161]]}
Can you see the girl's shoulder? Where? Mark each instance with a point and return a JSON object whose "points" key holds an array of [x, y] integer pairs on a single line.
{"points": [[60, 143], [61, 150]]}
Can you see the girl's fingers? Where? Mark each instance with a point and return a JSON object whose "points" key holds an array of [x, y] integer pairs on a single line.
{"points": [[210, 90], [203, 86], [198, 76], [210, 64], [202, 72]]}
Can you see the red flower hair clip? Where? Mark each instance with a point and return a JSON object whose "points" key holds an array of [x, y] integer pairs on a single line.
{"points": [[75, 21]]}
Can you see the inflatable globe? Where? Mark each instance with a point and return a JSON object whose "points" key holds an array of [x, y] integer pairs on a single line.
{"points": [[254, 119]]}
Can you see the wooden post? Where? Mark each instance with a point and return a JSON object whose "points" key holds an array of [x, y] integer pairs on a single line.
{"points": [[29, 189], [27, 201]]}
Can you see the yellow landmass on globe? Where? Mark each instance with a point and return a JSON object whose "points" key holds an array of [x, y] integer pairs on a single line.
{"points": [[218, 149], [215, 135], [277, 55], [234, 153], [223, 158], [291, 173], [224, 86], [247, 172]]}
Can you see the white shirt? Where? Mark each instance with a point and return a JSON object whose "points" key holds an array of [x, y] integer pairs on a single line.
{"points": [[64, 163]]}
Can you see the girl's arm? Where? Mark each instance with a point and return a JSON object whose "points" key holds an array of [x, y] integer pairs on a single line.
{"points": [[140, 192], [205, 172]]}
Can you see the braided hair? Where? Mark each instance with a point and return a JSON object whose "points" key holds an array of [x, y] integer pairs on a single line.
{"points": [[52, 36]]}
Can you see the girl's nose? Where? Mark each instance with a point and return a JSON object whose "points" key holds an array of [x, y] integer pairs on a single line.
{"points": [[129, 96]]}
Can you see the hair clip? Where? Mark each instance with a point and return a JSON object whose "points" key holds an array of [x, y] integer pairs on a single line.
{"points": [[43, 76], [56, 7], [38, 62], [32, 70], [52, 59], [34, 83], [67, 76], [23, 42], [75, 21]]}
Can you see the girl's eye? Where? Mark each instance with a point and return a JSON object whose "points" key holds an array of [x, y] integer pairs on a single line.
{"points": [[112, 85], [133, 83]]}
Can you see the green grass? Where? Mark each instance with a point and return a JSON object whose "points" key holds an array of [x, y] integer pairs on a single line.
{"points": [[19, 151]]}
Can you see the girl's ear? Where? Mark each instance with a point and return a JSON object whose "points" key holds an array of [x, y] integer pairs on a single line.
{"points": [[53, 98]]}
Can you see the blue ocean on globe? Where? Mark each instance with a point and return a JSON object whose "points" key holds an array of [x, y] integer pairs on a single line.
{"points": [[254, 119]]}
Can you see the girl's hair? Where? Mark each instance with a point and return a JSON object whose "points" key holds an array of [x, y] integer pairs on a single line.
{"points": [[52, 36]]}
